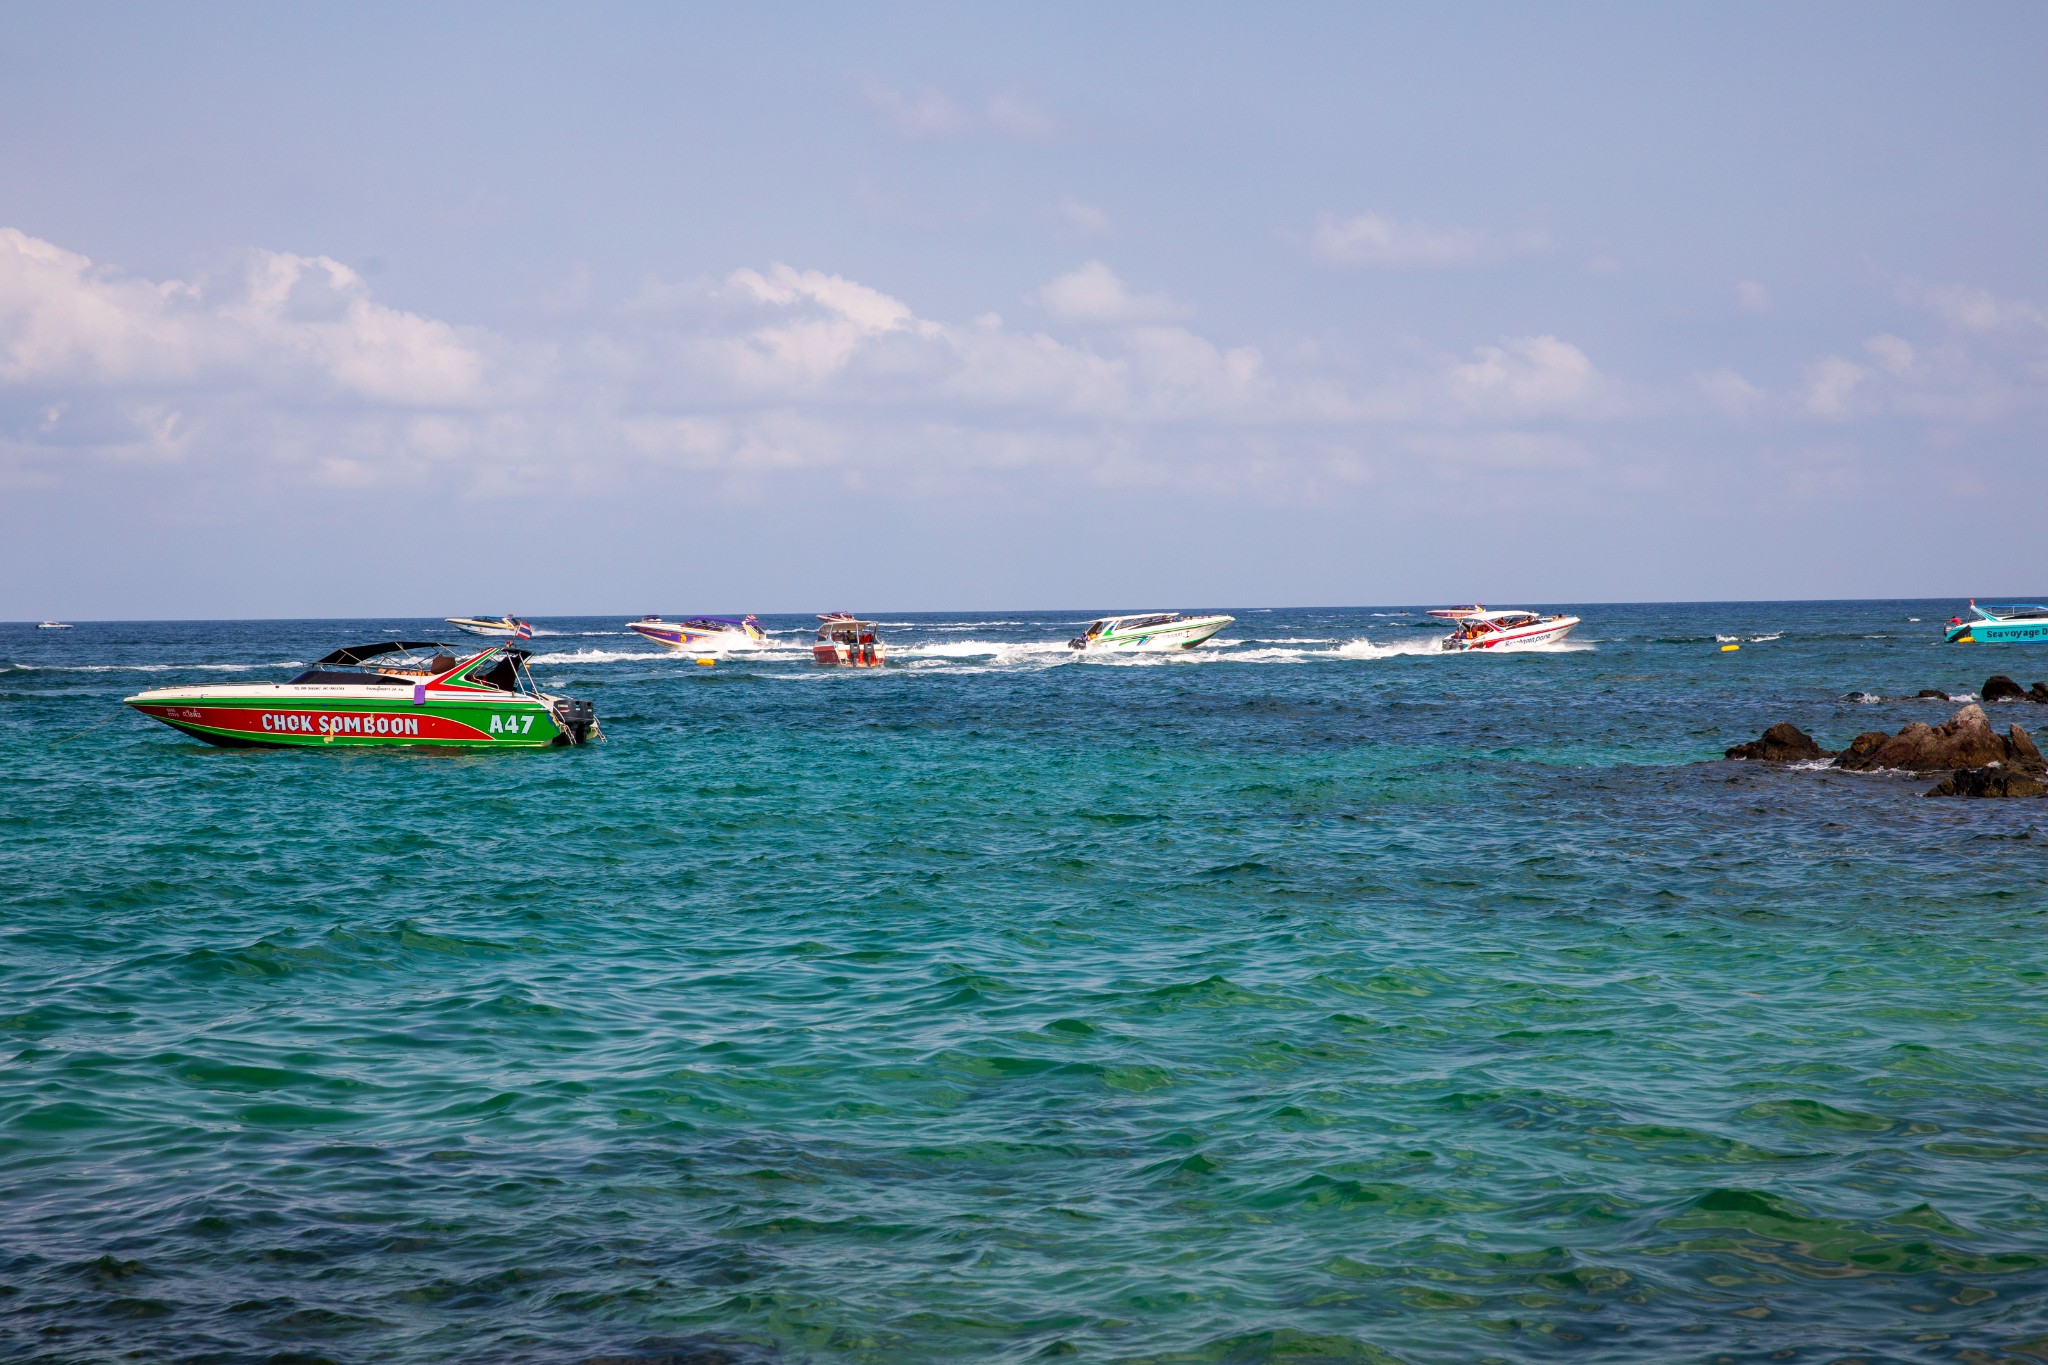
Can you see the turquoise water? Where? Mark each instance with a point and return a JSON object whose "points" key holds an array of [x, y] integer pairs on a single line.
{"points": [[1322, 998]]}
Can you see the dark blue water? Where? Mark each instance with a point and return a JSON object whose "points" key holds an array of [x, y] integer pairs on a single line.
{"points": [[1321, 997]]}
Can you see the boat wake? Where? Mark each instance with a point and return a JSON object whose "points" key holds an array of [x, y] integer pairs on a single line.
{"points": [[986, 655]]}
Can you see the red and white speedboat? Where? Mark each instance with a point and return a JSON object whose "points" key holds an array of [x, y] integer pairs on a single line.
{"points": [[1478, 628], [845, 639]]}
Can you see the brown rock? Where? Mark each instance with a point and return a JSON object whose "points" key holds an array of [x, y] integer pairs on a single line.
{"points": [[1869, 742], [2038, 692], [2024, 753], [1983, 782], [1998, 687], [1964, 740], [1782, 743], [1930, 694]]}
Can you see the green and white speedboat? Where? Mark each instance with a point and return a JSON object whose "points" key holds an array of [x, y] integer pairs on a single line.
{"points": [[2009, 624], [1157, 630], [394, 694]]}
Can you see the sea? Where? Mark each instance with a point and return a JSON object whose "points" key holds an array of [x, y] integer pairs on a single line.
{"points": [[1318, 995]]}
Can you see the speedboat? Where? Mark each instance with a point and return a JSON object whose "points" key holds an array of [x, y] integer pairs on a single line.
{"points": [[2006, 624], [510, 627], [846, 639], [701, 633], [1479, 628], [53, 625], [393, 694], [1159, 630]]}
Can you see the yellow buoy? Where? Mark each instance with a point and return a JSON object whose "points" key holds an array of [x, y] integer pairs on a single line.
{"points": [[1726, 648], [706, 661]]}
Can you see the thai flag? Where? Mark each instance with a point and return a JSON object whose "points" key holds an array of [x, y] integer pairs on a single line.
{"points": [[525, 630]]}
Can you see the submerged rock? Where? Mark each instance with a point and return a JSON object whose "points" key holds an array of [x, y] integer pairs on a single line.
{"points": [[1964, 740], [1782, 743], [1990, 782], [2038, 692], [1930, 694], [1998, 687]]}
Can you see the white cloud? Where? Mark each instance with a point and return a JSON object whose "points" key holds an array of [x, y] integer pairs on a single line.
{"points": [[1729, 391], [1895, 354], [1085, 219], [1752, 297], [922, 113], [1972, 310], [306, 320], [1829, 383], [1093, 293], [1013, 115], [919, 113], [1526, 375], [286, 367], [1378, 239]]}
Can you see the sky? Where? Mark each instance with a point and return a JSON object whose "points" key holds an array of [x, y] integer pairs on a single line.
{"points": [[338, 310]]}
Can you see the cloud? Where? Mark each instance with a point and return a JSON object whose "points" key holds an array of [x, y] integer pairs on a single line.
{"points": [[924, 113], [1012, 115], [1970, 309], [1526, 376], [281, 371], [1085, 219], [1093, 293], [918, 113], [1895, 354], [1752, 297], [1729, 391], [305, 322], [1829, 383], [1379, 240]]}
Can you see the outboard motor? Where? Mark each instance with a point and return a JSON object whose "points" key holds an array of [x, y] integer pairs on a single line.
{"points": [[578, 718], [1078, 642]]}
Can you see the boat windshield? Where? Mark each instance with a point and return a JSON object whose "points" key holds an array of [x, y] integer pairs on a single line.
{"points": [[846, 630], [2017, 611], [1141, 622]]}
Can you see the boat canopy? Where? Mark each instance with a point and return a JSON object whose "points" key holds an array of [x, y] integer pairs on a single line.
{"points": [[355, 654], [2015, 611], [828, 624]]}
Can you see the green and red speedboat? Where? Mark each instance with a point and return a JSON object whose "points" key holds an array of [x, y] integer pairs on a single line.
{"points": [[399, 693]]}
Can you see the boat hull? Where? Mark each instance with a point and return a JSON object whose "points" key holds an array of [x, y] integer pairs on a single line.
{"points": [[281, 718], [1997, 632], [1166, 639], [850, 656], [1528, 637]]}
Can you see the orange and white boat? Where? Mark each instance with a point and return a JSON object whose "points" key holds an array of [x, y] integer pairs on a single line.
{"points": [[846, 639]]}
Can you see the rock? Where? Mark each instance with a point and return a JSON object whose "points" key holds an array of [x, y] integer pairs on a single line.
{"points": [[1998, 687], [1782, 743], [1866, 743], [1990, 781], [2025, 755], [1930, 694], [2038, 692], [1964, 740]]}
